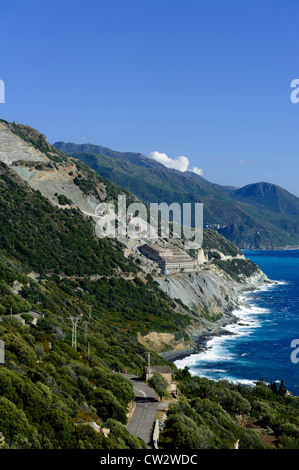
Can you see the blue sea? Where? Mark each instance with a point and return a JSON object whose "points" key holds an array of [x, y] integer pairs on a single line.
{"points": [[260, 346]]}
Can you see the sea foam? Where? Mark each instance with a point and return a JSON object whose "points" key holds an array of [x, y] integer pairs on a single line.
{"points": [[219, 347]]}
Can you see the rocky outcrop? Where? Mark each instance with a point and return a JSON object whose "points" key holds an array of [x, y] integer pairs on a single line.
{"points": [[40, 172], [157, 341], [57, 181], [208, 288], [13, 148], [211, 295]]}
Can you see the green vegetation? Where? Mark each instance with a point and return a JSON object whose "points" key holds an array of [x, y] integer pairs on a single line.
{"points": [[27, 317], [39, 141], [63, 200], [159, 384], [92, 183], [213, 241], [217, 415], [257, 216], [48, 388], [268, 196], [47, 239], [237, 268], [51, 263]]}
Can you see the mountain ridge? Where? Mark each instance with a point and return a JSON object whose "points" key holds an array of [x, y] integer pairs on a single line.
{"points": [[269, 196], [246, 218]]}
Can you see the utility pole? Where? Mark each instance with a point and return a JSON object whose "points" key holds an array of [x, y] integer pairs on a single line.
{"points": [[149, 366], [74, 321], [89, 306], [86, 323]]}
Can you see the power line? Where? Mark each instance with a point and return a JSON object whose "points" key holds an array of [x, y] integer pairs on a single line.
{"points": [[74, 321], [89, 306], [149, 366], [86, 323]]}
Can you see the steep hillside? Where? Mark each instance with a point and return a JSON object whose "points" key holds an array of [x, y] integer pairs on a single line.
{"points": [[53, 269], [47, 258], [53, 173], [268, 196], [132, 157], [60, 240], [250, 218]]}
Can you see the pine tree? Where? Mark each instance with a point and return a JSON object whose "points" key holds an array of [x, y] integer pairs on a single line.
{"points": [[282, 389], [273, 387]]}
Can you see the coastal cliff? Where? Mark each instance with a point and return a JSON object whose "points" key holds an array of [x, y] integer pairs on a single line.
{"points": [[201, 301], [211, 295]]}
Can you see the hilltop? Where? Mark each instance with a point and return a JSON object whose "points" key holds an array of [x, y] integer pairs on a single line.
{"points": [[268, 196], [258, 216]]}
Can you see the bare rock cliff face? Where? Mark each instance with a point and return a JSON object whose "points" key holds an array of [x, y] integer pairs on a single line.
{"points": [[13, 148], [211, 295], [40, 172], [208, 288]]}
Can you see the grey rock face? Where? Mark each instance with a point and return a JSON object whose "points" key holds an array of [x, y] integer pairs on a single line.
{"points": [[13, 148], [212, 295]]}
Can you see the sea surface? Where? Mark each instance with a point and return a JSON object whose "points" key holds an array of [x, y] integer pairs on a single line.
{"points": [[261, 344]]}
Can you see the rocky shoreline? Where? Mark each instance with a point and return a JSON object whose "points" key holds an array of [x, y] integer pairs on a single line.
{"points": [[200, 338], [201, 341]]}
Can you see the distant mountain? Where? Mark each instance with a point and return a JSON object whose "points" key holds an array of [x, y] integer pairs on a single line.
{"points": [[258, 216], [268, 196], [132, 157]]}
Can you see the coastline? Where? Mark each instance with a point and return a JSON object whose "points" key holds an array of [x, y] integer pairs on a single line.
{"points": [[229, 318], [285, 248], [201, 341]]}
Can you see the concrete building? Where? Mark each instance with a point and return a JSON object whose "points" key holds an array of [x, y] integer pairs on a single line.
{"points": [[169, 257], [163, 370]]}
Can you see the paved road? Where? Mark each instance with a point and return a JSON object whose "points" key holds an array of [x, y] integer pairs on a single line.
{"points": [[147, 405]]}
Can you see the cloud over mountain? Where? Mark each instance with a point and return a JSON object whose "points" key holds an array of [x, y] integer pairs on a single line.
{"points": [[180, 163]]}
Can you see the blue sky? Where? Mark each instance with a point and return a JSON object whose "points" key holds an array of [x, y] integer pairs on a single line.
{"points": [[209, 80]]}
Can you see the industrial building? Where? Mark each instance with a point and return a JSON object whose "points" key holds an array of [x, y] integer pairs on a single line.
{"points": [[168, 257]]}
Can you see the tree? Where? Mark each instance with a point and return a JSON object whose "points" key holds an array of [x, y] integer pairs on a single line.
{"points": [[273, 387], [108, 406], [159, 384], [282, 389]]}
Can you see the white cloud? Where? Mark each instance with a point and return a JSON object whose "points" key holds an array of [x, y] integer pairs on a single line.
{"points": [[198, 171], [180, 163]]}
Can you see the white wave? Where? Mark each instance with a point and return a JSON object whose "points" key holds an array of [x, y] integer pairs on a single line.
{"points": [[251, 383], [266, 287], [218, 351]]}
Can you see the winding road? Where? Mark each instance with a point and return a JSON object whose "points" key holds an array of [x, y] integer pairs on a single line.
{"points": [[147, 405]]}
